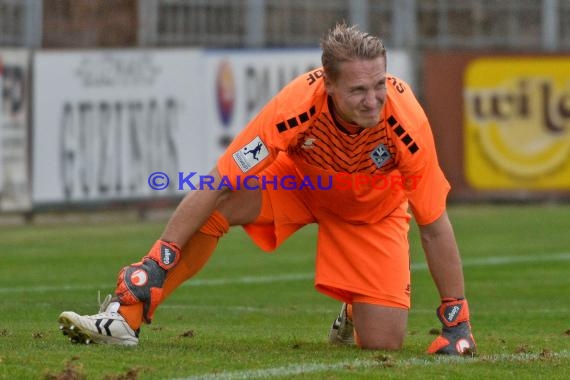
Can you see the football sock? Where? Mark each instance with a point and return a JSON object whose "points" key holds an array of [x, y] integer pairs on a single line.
{"points": [[194, 255]]}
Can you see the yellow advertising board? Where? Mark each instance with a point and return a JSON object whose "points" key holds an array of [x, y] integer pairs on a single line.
{"points": [[517, 123]]}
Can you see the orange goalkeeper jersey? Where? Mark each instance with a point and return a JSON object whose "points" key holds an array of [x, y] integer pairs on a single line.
{"points": [[359, 176]]}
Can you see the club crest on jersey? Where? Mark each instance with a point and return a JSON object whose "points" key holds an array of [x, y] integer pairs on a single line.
{"points": [[251, 154], [380, 155]]}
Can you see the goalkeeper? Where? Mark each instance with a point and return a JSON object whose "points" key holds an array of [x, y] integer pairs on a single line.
{"points": [[349, 119]]}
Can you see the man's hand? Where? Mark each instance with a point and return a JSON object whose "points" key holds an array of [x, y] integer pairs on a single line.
{"points": [[143, 281], [456, 337]]}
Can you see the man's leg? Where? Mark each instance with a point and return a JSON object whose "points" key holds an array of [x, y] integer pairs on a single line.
{"points": [[367, 266], [237, 208], [194, 256], [118, 323]]}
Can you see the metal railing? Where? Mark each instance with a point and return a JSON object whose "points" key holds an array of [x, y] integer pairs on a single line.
{"points": [[444, 24], [412, 24], [20, 23]]}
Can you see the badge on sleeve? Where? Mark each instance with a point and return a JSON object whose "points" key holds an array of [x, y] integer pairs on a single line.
{"points": [[251, 154]]}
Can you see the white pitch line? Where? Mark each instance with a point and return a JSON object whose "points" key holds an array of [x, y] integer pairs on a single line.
{"points": [[505, 260], [306, 368], [291, 277]]}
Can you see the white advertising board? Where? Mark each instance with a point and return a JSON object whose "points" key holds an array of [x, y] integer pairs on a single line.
{"points": [[104, 121], [15, 193]]}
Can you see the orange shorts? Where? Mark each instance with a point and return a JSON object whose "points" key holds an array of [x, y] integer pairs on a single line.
{"points": [[355, 262]]}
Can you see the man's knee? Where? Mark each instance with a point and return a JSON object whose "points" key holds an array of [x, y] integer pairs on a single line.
{"points": [[379, 327], [389, 343]]}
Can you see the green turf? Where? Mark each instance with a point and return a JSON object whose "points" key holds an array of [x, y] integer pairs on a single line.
{"points": [[253, 315]]}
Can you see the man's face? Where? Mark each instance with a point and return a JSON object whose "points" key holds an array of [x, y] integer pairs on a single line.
{"points": [[359, 92]]}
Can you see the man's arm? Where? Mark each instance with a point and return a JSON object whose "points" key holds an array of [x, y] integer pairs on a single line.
{"points": [[442, 255], [192, 212], [444, 263]]}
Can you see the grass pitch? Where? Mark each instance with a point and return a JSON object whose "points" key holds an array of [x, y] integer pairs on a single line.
{"points": [[253, 315]]}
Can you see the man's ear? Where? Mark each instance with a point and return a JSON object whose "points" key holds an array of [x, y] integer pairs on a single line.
{"points": [[328, 84]]}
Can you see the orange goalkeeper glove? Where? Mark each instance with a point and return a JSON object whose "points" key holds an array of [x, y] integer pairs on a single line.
{"points": [[143, 281], [456, 337]]}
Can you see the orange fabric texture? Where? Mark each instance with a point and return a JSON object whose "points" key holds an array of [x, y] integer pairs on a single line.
{"points": [[365, 259], [362, 247], [299, 122], [216, 225], [352, 258], [133, 314], [194, 255]]}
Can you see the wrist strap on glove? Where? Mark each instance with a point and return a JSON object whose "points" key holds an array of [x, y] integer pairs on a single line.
{"points": [[453, 311]]}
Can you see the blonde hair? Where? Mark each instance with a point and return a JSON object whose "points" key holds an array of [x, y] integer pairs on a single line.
{"points": [[346, 43]]}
